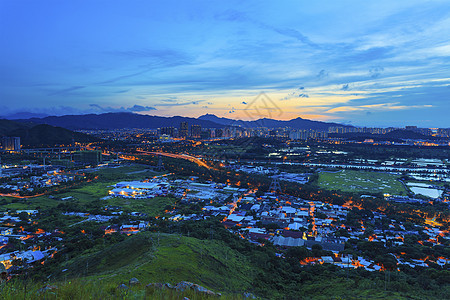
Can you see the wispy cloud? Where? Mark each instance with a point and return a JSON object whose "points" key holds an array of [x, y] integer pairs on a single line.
{"points": [[316, 60], [66, 90], [134, 108]]}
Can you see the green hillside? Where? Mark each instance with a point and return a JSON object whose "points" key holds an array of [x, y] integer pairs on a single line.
{"points": [[232, 269], [171, 258], [7, 126], [32, 135]]}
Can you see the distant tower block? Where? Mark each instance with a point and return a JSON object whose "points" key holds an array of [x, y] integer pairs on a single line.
{"points": [[160, 166], [275, 186]]}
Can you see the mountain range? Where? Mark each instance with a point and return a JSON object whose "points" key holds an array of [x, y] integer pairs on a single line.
{"points": [[297, 123], [131, 120]]}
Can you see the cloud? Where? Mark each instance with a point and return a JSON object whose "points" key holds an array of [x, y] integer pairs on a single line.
{"points": [[162, 54], [380, 107], [233, 110], [171, 100], [295, 34], [122, 91], [140, 108], [67, 90], [375, 72], [175, 103], [118, 78], [322, 74], [134, 108], [294, 95], [232, 15]]}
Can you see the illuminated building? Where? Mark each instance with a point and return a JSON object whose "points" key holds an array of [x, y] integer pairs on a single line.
{"points": [[184, 129], [196, 131], [11, 143]]}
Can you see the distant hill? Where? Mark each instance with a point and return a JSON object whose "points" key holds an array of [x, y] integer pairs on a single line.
{"points": [[297, 123], [130, 120], [407, 134], [120, 120], [6, 126], [24, 115], [395, 136], [32, 135]]}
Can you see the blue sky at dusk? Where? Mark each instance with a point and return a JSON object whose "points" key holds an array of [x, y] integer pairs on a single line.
{"points": [[366, 63]]}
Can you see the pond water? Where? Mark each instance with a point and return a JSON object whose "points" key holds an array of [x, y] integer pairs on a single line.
{"points": [[432, 193]]}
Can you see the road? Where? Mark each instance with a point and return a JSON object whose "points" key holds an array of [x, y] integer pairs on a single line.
{"points": [[180, 156]]}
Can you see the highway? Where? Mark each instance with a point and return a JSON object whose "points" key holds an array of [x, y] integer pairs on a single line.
{"points": [[180, 156]]}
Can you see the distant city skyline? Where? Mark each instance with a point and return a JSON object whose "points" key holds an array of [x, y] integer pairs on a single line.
{"points": [[358, 63]]}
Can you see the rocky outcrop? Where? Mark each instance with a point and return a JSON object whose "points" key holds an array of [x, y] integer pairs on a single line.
{"points": [[133, 281], [183, 286]]}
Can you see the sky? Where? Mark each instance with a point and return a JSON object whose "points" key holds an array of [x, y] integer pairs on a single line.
{"points": [[363, 63]]}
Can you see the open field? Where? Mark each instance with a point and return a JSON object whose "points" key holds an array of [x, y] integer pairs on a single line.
{"points": [[361, 181], [153, 207], [86, 193]]}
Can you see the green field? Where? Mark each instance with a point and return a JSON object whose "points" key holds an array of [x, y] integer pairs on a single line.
{"points": [[361, 181], [153, 207], [86, 193]]}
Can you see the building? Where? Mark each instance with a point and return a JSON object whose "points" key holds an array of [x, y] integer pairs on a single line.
{"points": [[206, 134], [170, 131], [88, 157], [184, 129], [218, 133], [11, 143], [138, 189], [66, 163], [196, 131]]}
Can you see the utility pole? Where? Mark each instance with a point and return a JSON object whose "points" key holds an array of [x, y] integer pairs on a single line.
{"points": [[275, 186], [160, 166]]}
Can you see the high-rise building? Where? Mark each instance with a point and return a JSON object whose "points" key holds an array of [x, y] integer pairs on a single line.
{"points": [[206, 134], [170, 131], [184, 129], [11, 143], [196, 131]]}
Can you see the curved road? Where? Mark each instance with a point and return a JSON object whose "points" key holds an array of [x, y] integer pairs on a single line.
{"points": [[180, 156]]}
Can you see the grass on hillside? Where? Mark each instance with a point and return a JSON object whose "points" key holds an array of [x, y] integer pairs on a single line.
{"points": [[361, 181], [81, 289], [170, 258], [153, 257]]}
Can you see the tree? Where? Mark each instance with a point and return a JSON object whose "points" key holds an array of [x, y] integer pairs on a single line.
{"points": [[316, 250], [298, 252]]}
